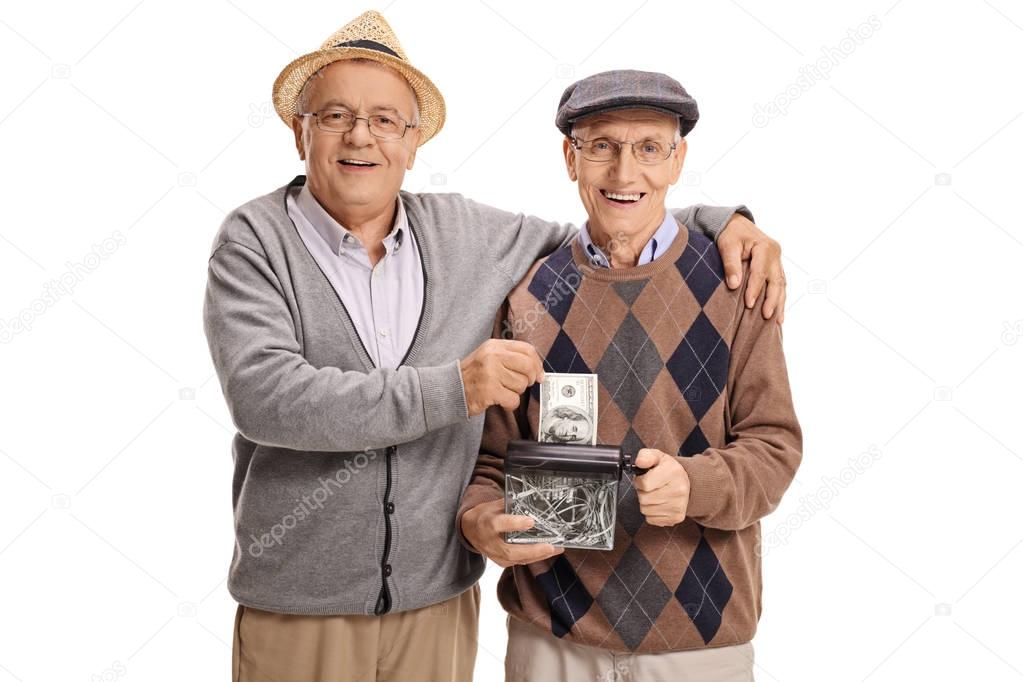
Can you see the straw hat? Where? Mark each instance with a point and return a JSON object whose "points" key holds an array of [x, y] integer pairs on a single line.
{"points": [[369, 36]]}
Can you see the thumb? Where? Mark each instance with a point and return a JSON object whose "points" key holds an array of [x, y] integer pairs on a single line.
{"points": [[648, 458]]}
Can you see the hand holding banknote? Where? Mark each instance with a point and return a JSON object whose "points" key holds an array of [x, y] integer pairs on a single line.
{"points": [[498, 372]]}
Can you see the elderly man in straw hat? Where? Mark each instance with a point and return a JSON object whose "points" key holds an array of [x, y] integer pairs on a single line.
{"points": [[349, 325]]}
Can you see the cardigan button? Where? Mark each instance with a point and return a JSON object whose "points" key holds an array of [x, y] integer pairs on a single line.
{"points": [[389, 507], [387, 570]]}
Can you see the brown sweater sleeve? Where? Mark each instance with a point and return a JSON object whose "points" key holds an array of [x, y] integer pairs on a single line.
{"points": [[733, 487], [500, 425]]}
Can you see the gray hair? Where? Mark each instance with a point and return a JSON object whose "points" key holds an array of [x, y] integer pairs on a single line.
{"points": [[303, 96]]}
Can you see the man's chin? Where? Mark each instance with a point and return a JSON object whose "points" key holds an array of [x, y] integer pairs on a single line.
{"points": [[351, 195], [617, 227]]}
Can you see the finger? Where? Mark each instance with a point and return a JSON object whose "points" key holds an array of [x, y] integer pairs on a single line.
{"points": [[509, 400], [666, 507], [523, 347], [513, 381], [510, 523], [527, 554], [529, 351], [526, 364], [647, 458], [537, 369], [747, 248], [775, 293], [667, 495], [481, 510], [776, 284], [656, 478], [781, 306], [664, 521], [657, 510], [757, 274], [731, 256], [517, 362]]}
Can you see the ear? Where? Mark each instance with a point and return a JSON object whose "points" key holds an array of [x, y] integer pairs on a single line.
{"points": [[678, 157], [413, 134], [570, 159], [296, 127]]}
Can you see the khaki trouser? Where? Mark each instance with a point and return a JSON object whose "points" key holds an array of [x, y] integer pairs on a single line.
{"points": [[535, 655], [436, 643]]}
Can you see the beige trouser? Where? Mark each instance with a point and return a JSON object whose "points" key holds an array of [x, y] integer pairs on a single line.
{"points": [[535, 655], [436, 643]]}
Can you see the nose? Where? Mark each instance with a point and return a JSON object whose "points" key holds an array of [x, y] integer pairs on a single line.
{"points": [[625, 165], [359, 135]]}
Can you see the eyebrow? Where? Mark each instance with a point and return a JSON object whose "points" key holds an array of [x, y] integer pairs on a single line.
{"points": [[656, 137], [339, 103], [603, 125]]}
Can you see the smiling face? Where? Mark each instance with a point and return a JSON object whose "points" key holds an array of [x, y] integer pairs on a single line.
{"points": [[624, 198], [356, 174]]}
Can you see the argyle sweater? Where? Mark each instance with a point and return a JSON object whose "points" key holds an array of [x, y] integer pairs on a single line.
{"points": [[683, 366]]}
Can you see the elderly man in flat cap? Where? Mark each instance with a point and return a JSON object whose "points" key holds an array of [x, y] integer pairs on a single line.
{"points": [[349, 323], [689, 379]]}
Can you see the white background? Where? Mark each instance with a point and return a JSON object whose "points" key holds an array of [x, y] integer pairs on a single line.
{"points": [[893, 185]]}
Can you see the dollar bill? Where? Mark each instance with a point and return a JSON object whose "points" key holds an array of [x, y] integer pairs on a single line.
{"points": [[568, 409]]}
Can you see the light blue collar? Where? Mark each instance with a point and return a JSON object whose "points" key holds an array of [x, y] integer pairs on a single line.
{"points": [[657, 245]]}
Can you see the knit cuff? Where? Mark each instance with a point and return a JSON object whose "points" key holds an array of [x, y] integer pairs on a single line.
{"points": [[443, 395], [706, 487], [720, 215]]}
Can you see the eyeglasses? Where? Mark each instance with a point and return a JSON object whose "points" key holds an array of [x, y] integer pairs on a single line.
{"points": [[384, 126], [603, 149]]}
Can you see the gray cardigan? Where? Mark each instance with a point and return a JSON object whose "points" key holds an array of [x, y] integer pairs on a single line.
{"points": [[347, 478]]}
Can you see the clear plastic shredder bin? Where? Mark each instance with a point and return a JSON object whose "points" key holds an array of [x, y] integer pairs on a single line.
{"points": [[569, 490]]}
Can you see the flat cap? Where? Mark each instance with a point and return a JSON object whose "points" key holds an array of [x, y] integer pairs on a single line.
{"points": [[626, 89]]}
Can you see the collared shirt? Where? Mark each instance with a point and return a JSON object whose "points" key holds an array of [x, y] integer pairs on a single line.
{"points": [[658, 244], [384, 301]]}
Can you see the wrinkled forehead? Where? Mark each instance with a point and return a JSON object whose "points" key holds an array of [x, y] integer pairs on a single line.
{"points": [[348, 83], [642, 122]]}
